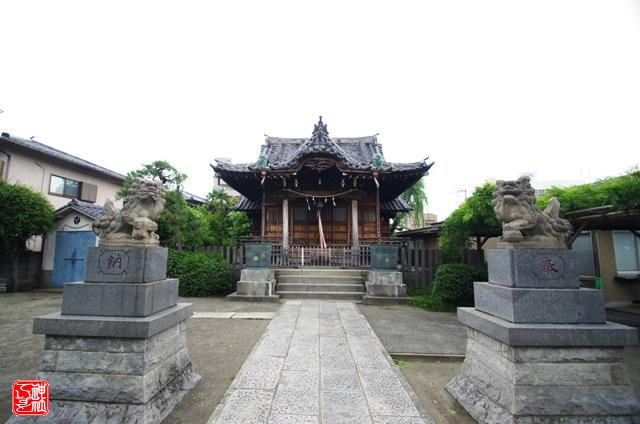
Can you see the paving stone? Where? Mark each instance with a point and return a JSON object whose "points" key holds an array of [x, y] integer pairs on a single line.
{"points": [[339, 379], [292, 419], [218, 315], [302, 380], [253, 315], [386, 395], [400, 420], [341, 419], [260, 373], [246, 407], [288, 401], [303, 358], [343, 404]]}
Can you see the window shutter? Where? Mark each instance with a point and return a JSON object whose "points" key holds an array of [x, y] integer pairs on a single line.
{"points": [[89, 192]]}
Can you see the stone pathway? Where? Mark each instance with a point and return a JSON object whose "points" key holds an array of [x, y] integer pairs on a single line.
{"points": [[234, 315], [319, 362]]}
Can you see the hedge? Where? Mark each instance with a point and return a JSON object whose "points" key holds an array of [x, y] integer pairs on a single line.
{"points": [[454, 283], [200, 273]]}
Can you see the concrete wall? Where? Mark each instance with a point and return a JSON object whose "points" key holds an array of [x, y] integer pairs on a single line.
{"points": [[614, 291], [63, 224], [36, 172]]}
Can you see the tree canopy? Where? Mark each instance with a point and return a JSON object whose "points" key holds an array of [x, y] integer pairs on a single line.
{"points": [[159, 170], [23, 214], [416, 198], [622, 192], [474, 217]]}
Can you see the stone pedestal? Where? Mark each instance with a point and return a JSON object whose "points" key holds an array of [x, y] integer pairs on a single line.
{"points": [[385, 288], [117, 352], [539, 349], [256, 285]]}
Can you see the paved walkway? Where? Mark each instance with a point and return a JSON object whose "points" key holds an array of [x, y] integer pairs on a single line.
{"points": [[319, 362]]}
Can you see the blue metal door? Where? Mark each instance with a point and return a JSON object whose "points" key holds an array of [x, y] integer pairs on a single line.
{"points": [[68, 262]]}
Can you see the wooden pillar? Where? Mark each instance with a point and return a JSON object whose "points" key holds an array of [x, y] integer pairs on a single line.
{"points": [[378, 213], [285, 223], [264, 218], [354, 223]]}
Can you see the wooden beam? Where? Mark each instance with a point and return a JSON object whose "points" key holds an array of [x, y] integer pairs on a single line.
{"points": [[378, 213]]}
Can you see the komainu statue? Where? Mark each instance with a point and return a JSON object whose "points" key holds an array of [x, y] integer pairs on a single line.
{"points": [[522, 223], [134, 224]]}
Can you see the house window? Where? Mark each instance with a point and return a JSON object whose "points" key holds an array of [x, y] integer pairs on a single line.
{"points": [[627, 248], [584, 249], [64, 186], [1, 170]]}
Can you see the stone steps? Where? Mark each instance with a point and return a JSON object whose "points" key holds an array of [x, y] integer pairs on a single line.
{"points": [[314, 279], [321, 272], [321, 283], [351, 296], [324, 287]]}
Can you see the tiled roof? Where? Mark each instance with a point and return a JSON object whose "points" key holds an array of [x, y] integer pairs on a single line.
{"points": [[91, 210], [396, 205], [358, 153], [59, 155], [248, 205]]}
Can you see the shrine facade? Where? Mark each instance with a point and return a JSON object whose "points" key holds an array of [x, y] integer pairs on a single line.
{"points": [[321, 191]]}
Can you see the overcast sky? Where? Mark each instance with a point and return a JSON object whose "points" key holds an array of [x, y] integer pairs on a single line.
{"points": [[487, 89]]}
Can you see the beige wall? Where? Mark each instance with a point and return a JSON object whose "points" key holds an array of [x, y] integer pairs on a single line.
{"points": [[36, 173], [614, 291]]}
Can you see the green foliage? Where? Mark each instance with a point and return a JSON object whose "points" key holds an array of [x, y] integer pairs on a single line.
{"points": [[181, 225], [399, 363], [475, 216], [622, 192], [23, 214], [416, 197], [225, 224], [454, 283], [200, 273], [159, 170], [425, 299]]}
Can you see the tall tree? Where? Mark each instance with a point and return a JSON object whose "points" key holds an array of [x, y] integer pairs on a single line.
{"points": [[159, 170], [23, 214], [416, 198]]}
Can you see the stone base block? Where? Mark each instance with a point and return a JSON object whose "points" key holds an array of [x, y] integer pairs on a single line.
{"points": [[256, 288], [499, 383], [384, 277], [386, 290], [257, 274], [125, 264], [118, 299], [568, 335], [95, 379], [536, 268], [384, 300], [553, 306], [121, 327], [274, 298]]}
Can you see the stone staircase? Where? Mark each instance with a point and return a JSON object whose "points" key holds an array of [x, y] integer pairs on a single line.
{"points": [[321, 283]]}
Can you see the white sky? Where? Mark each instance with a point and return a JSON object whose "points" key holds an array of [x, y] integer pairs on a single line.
{"points": [[487, 89]]}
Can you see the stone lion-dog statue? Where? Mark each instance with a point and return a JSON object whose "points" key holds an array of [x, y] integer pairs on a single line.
{"points": [[135, 222], [514, 202]]}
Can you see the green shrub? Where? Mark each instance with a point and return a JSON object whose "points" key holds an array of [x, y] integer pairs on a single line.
{"points": [[200, 273], [424, 298], [454, 283]]}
